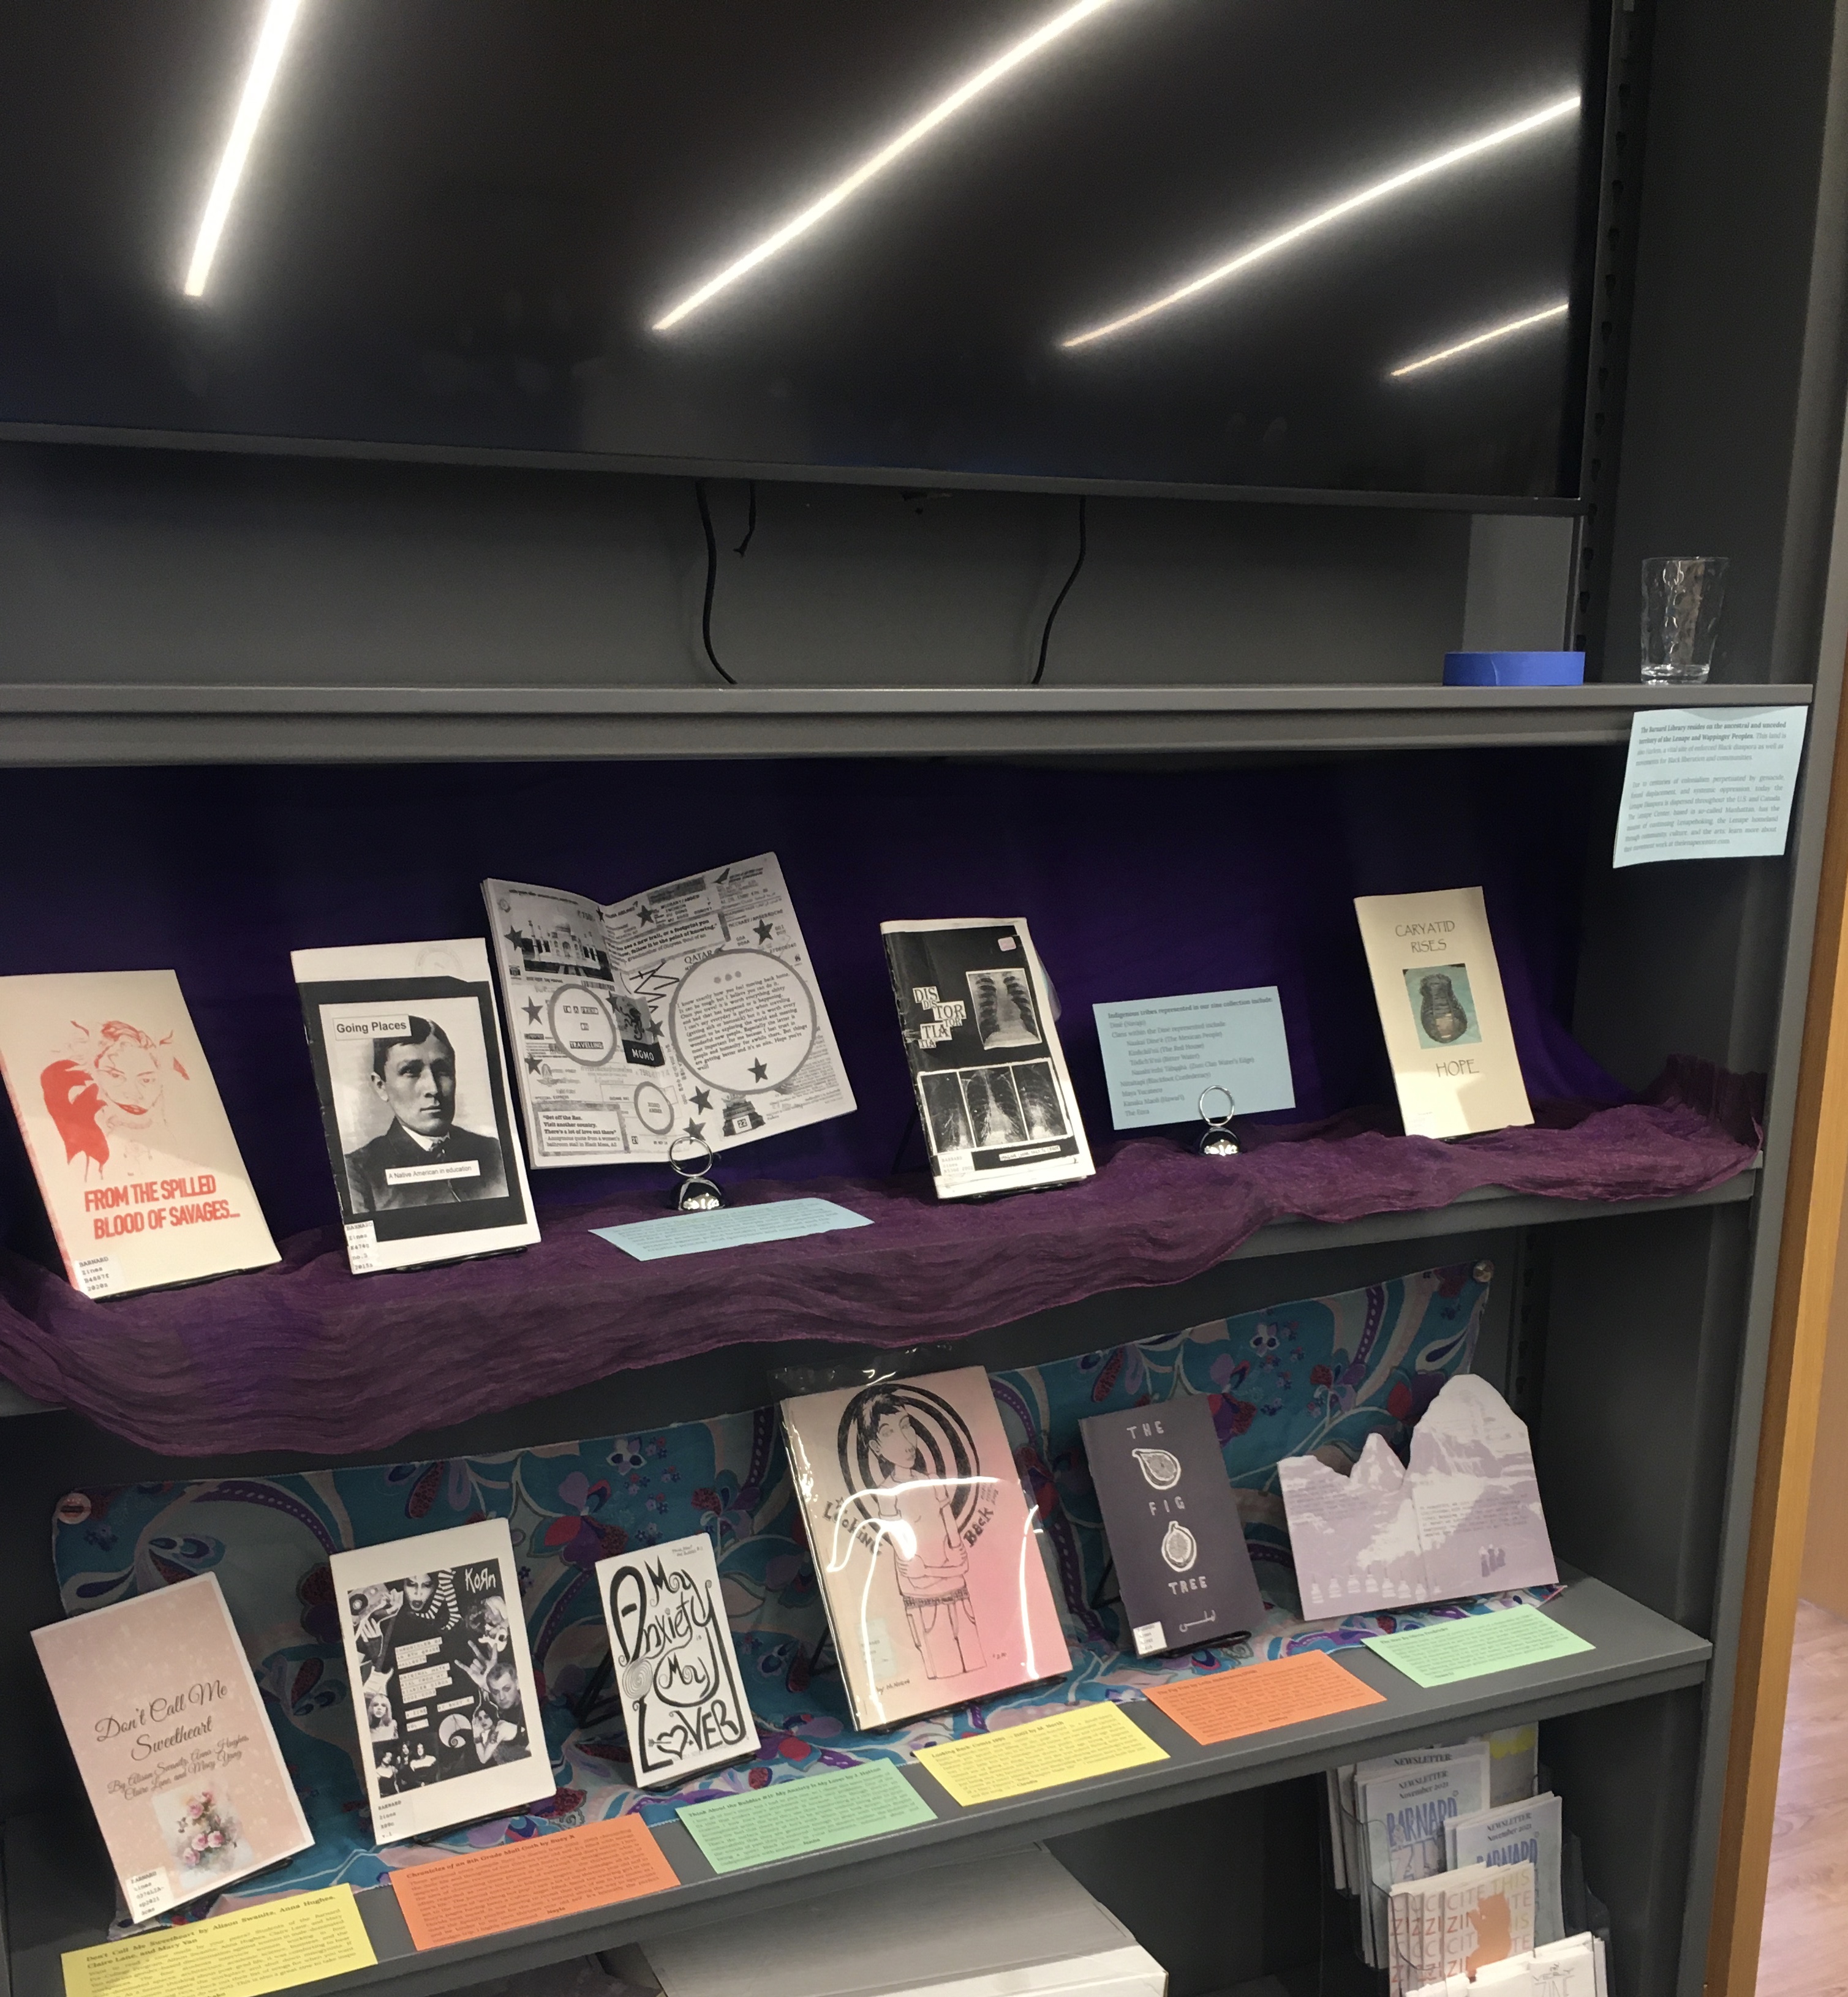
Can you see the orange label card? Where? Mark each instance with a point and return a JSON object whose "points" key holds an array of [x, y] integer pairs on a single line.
{"points": [[540, 1879], [1254, 1698]]}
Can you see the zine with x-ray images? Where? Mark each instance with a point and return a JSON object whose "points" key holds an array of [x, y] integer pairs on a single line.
{"points": [[994, 1092]]}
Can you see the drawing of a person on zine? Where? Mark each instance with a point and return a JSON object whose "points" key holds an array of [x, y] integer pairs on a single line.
{"points": [[917, 1495]]}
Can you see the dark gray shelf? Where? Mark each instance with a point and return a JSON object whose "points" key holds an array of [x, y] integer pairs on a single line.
{"points": [[1486, 1207], [1486, 1210], [99, 723], [58, 1892]]}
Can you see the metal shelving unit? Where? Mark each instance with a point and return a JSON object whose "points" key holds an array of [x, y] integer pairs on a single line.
{"points": [[1633, 1336]]}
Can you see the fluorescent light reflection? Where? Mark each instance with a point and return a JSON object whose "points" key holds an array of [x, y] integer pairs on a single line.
{"points": [[272, 39], [964, 93], [1481, 339], [872, 1531], [1425, 170]]}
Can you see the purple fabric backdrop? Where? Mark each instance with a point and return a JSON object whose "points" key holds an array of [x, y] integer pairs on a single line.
{"points": [[1137, 885], [307, 1357]]}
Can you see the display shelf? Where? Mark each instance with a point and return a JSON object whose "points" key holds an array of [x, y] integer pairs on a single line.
{"points": [[264, 1360], [122, 723], [1485, 1210], [59, 1893]]}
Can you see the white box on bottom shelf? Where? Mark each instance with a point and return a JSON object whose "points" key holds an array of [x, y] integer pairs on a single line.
{"points": [[1019, 1926]]}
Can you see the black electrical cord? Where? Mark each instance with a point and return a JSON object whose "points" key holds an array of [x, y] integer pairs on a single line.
{"points": [[712, 580], [750, 524], [1045, 637]]}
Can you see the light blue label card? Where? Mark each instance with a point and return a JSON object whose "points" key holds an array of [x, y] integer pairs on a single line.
{"points": [[728, 1227], [1710, 785], [1159, 1054]]}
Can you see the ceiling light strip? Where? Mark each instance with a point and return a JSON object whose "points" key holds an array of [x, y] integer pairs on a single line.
{"points": [[964, 93], [1481, 339], [272, 39], [1425, 170]]}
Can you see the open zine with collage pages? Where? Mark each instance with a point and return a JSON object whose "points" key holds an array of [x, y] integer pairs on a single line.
{"points": [[407, 1059], [1439, 988], [169, 1734], [676, 1667], [690, 1010], [1182, 1570], [450, 1725], [992, 1089], [134, 1156], [930, 1570]]}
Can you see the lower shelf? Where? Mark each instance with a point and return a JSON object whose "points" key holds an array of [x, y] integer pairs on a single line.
{"points": [[59, 1897]]}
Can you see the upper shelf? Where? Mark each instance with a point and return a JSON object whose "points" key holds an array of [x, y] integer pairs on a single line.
{"points": [[100, 723]]}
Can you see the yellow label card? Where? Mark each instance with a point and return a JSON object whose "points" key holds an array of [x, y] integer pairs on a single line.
{"points": [[273, 1947], [1070, 1746]]}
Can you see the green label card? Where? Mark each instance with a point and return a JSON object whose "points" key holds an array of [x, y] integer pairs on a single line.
{"points": [[1475, 1645], [809, 1814]]}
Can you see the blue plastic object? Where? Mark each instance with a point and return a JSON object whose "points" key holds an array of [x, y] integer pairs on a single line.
{"points": [[1514, 669]]}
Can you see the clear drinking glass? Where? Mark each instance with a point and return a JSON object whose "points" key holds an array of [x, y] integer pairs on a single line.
{"points": [[1681, 599]]}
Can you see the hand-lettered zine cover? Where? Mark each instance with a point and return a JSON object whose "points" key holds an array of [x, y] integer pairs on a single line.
{"points": [[141, 1173], [1183, 1572], [450, 1728], [994, 1092], [1439, 988], [170, 1737], [929, 1569], [406, 1044], [676, 1668]]}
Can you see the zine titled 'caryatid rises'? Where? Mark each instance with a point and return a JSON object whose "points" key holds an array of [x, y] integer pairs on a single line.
{"points": [[1439, 988]]}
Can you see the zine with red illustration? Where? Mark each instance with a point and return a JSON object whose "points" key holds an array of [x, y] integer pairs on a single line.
{"points": [[141, 1176]]}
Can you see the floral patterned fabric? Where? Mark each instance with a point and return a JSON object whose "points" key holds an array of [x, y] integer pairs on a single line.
{"points": [[1321, 1375]]}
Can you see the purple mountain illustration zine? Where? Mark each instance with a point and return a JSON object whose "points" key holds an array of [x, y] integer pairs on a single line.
{"points": [[1463, 1518], [1182, 1570]]}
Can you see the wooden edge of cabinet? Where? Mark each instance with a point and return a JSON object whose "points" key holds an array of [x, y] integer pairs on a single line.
{"points": [[1806, 1272]]}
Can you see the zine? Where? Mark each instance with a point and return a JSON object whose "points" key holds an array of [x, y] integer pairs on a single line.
{"points": [[676, 1670]]}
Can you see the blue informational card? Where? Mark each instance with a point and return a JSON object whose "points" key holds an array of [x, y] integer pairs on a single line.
{"points": [[1709, 786], [728, 1227], [1159, 1054]]}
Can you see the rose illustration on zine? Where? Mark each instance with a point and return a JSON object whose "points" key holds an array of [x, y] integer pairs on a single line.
{"points": [[206, 1834]]}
